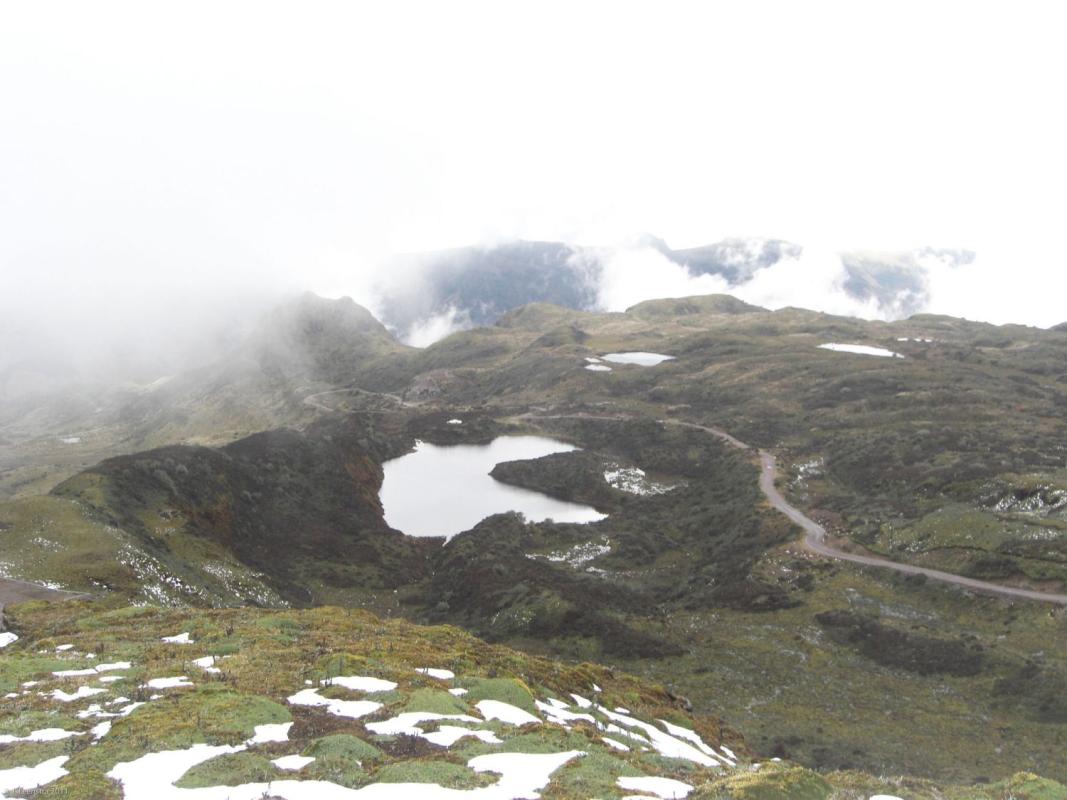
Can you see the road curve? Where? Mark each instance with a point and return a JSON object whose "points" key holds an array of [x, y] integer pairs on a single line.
{"points": [[313, 399], [12, 591], [815, 535]]}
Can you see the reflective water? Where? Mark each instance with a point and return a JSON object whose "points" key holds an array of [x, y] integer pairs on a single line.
{"points": [[442, 491], [643, 359]]}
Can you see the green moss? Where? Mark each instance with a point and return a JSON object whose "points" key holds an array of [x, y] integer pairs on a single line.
{"points": [[231, 769], [507, 690], [30, 754], [342, 759], [1026, 786], [343, 746], [434, 701], [592, 775], [439, 771], [25, 722]]}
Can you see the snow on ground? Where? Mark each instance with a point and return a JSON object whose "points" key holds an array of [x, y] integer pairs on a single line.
{"points": [[271, 732], [458, 692], [576, 556], [169, 683], [505, 712], [440, 674], [560, 713], [582, 701], [27, 778], [633, 480], [81, 693], [358, 683], [181, 638], [292, 763], [178, 638], [152, 777], [861, 349], [639, 358], [80, 673], [43, 735], [694, 738], [448, 735], [667, 745], [407, 724], [341, 708], [665, 788], [598, 367], [7, 637], [207, 663], [455, 422]]}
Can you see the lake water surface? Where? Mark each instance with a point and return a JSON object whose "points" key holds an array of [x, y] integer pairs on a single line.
{"points": [[442, 491], [639, 358]]}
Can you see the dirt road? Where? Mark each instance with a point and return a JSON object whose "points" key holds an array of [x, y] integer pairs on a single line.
{"points": [[815, 535], [14, 591], [815, 540]]}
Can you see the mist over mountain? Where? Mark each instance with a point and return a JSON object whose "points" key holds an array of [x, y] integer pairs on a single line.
{"points": [[423, 297]]}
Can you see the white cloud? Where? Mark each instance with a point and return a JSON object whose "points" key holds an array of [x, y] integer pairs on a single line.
{"points": [[154, 155]]}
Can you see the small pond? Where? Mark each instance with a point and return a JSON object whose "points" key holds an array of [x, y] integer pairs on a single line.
{"points": [[639, 358], [442, 491]]}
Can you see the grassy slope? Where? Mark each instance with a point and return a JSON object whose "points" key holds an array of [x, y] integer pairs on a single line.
{"points": [[908, 451], [265, 656]]}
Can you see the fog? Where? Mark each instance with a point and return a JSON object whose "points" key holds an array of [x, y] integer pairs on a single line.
{"points": [[168, 171]]}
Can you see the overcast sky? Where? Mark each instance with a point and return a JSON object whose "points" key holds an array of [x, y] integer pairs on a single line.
{"points": [[155, 153]]}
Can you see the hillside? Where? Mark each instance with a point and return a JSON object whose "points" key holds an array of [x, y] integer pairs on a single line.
{"points": [[305, 345], [147, 702], [950, 456]]}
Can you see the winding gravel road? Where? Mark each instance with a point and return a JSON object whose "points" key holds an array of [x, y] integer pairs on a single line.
{"points": [[815, 535]]}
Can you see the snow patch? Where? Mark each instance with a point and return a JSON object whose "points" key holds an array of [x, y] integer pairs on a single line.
{"points": [[633, 481], [353, 709], [27, 778], [861, 349], [406, 724], [440, 674], [178, 638], [292, 763], [505, 712], [42, 735], [359, 683], [639, 358], [169, 683], [271, 732], [207, 663], [665, 788], [83, 692], [448, 735]]}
